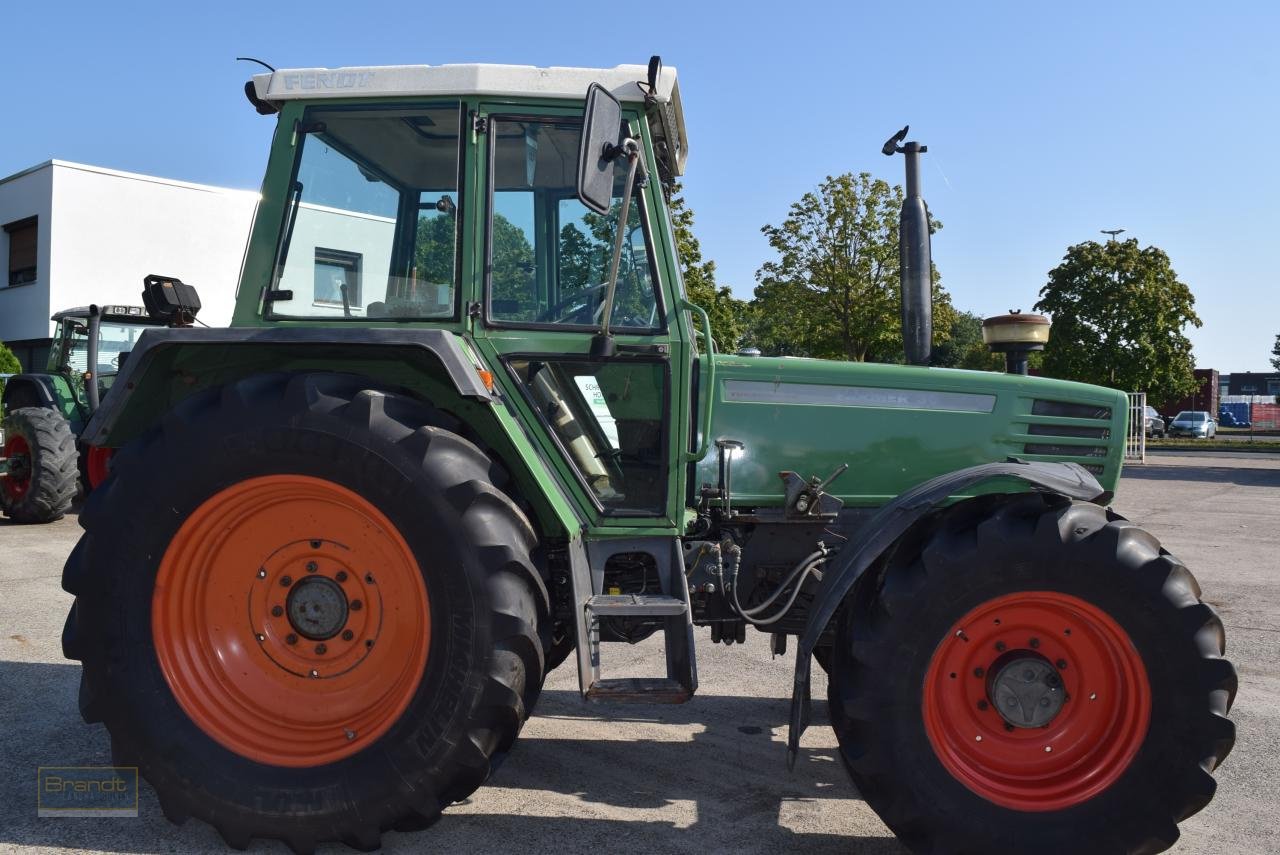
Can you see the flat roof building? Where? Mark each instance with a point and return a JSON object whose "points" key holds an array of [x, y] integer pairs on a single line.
{"points": [[73, 235]]}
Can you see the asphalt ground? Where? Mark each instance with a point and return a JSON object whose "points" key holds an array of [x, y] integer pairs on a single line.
{"points": [[707, 776]]}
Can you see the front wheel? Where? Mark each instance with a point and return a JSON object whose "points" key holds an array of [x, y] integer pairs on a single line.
{"points": [[1033, 676], [305, 611]]}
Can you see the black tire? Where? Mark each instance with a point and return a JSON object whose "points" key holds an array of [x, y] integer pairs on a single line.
{"points": [[488, 607], [986, 548], [51, 467]]}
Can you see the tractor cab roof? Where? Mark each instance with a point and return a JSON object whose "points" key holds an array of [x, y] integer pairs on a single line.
{"points": [[126, 314], [662, 107]]}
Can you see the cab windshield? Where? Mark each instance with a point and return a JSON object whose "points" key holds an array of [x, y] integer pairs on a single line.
{"points": [[371, 226]]}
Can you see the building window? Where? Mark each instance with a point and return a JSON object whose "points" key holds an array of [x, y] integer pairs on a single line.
{"points": [[22, 251], [335, 272]]}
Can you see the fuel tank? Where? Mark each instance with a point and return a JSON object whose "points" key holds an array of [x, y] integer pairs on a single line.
{"points": [[898, 425]]}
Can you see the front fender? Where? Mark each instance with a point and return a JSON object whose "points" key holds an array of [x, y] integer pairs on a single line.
{"points": [[891, 522]]}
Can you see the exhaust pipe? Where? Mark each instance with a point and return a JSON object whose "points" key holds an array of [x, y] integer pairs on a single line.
{"points": [[914, 255]]}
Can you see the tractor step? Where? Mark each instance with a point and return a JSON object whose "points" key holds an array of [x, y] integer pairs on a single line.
{"points": [[635, 605], [653, 690], [668, 607]]}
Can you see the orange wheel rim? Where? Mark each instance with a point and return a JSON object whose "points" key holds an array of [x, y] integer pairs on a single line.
{"points": [[291, 620], [1036, 701]]}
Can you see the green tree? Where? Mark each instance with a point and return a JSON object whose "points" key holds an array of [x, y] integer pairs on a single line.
{"points": [[9, 363], [1118, 314], [727, 313], [965, 348], [1275, 354], [834, 290]]}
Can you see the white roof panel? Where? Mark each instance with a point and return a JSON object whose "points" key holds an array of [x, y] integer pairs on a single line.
{"points": [[525, 81]]}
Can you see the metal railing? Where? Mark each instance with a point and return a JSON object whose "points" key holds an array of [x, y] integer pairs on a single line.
{"points": [[1135, 440]]}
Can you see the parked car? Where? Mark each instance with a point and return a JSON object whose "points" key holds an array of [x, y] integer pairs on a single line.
{"points": [[1196, 424], [1227, 419], [1153, 422]]}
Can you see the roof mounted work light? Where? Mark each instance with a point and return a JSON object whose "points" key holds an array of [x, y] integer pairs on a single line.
{"points": [[169, 300]]}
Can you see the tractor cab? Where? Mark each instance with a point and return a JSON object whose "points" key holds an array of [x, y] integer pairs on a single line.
{"points": [[89, 347]]}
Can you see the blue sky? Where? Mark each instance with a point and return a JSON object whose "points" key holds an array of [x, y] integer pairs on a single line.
{"points": [[1045, 122]]}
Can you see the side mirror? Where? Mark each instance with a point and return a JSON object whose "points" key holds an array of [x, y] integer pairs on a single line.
{"points": [[601, 137]]}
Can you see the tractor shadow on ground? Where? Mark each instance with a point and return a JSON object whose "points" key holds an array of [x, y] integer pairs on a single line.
{"points": [[1243, 476], [732, 770]]}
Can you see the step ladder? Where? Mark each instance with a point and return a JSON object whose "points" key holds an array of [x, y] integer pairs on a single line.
{"points": [[587, 563]]}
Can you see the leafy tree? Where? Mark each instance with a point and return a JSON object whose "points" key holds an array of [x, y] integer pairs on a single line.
{"points": [[727, 313], [1275, 354], [965, 348], [8, 363], [834, 289], [1118, 317]]}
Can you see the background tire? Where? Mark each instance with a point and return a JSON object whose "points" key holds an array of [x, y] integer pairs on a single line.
{"points": [[42, 490], [471, 544], [1042, 552]]}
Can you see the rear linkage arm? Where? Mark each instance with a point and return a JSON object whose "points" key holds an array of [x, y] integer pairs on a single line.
{"points": [[890, 523]]}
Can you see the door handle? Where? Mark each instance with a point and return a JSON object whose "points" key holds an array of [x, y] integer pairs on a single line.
{"points": [[710, 384]]}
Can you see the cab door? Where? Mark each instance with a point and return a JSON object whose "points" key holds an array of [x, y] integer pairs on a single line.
{"points": [[611, 426]]}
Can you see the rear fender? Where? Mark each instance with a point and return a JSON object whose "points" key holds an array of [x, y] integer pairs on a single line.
{"points": [[51, 391], [893, 520], [168, 365]]}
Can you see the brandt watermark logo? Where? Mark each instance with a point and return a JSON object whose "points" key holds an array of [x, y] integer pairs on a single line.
{"points": [[87, 791], [310, 80]]}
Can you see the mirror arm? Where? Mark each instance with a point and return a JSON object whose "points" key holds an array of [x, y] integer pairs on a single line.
{"points": [[602, 343]]}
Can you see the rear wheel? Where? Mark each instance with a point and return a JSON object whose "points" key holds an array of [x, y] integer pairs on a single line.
{"points": [[41, 455], [1033, 675], [328, 626]]}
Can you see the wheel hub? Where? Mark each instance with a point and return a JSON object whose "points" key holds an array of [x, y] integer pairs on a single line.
{"points": [[317, 608], [1027, 692]]}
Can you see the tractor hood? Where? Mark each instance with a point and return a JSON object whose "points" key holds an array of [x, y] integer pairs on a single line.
{"points": [[898, 426]]}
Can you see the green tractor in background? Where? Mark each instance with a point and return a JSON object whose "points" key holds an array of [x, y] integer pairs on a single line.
{"points": [[465, 425], [43, 414]]}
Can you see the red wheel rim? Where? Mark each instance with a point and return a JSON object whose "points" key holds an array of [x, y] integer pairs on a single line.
{"points": [[1084, 748], [16, 450], [96, 464], [226, 616]]}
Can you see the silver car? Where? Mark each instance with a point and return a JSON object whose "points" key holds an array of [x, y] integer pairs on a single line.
{"points": [[1196, 424]]}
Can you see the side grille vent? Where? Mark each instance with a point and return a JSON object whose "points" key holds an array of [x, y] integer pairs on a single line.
{"points": [[1071, 411]]}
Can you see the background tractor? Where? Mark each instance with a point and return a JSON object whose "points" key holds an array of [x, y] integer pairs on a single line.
{"points": [[465, 425], [45, 413]]}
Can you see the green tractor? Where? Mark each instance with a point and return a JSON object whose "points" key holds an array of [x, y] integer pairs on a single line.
{"points": [[45, 413], [465, 425]]}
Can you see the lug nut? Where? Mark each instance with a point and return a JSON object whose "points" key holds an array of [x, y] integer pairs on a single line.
{"points": [[312, 567], [1000, 648], [276, 611], [341, 576], [368, 643], [291, 639], [347, 635], [1035, 643], [315, 544], [262, 572], [322, 650], [368, 577], [1062, 664], [315, 673], [286, 581], [978, 672], [982, 705], [350, 734], [356, 605], [1008, 727], [260, 637]]}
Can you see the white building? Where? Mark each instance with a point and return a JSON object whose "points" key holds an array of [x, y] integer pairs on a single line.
{"points": [[72, 235]]}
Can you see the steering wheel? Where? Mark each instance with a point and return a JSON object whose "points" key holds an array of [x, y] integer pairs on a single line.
{"points": [[552, 313]]}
